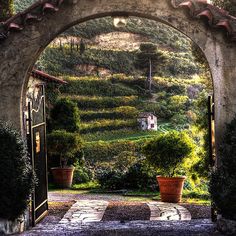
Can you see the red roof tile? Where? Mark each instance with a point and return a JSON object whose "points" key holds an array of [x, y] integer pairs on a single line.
{"points": [[46, 77], [217, 18], [197, 9]]}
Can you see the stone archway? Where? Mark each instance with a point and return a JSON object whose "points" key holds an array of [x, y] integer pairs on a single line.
{"points": [[24, 36]]}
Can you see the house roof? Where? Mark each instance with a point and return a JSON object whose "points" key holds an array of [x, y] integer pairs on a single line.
{"points": [[46, 77], [216, 17], [145, 114]]}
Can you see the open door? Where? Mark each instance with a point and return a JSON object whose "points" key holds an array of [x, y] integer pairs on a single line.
{"points": [[37, 148]]}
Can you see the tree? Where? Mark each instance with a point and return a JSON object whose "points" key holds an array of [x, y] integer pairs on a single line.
{"points": [[65, 115], [82, 47], [149, 60], [228, 5], [6, 9]]}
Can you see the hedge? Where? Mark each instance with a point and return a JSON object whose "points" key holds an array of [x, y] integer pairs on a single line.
{"points": [[123, 112], [16, 175], [102, 125], [94, 102]]}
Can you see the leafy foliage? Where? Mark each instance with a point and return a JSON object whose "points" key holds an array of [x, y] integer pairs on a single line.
{"points": [[6, 9], [16, 176], [228, 5], [148, 54], [168, 151], [21, 5], [64, 145], [95, 102], [223, 179], [93, 86], [65, 115], [127, 171], [124, 112], [81, 175]]}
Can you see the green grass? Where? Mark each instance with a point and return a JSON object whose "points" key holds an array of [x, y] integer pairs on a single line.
{"points": [[107, 124], [122, 134], [86, 186], [190, 197]]}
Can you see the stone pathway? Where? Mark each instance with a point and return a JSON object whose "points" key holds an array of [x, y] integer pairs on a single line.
{"points": [[84, 219], [85, 211], [168, 211]]}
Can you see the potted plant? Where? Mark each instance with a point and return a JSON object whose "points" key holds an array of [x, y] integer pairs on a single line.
{"points": [[167, 153], [64, 145]]}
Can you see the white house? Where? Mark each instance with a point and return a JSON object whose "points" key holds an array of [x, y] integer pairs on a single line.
{"points": [[147, 121]]}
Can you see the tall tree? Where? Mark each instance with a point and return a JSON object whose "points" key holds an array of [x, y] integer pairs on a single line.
{"points": [[149, 60], [6, 9]]}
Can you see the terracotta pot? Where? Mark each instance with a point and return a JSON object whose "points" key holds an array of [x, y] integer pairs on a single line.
{"points": [[171, 188], [63, 177]]}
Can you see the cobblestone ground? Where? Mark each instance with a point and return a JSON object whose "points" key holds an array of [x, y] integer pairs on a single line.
{"points": [[84, 218]]}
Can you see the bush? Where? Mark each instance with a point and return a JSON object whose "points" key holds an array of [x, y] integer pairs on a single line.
{"points": [[16, 176], [223, 179], [65, 115], [81, 175], [168, 151], [127, 172], [141, 176], [96, 152], [112, 179], [65, 146]]}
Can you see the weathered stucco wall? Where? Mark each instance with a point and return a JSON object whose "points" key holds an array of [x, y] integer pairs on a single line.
{"points": [[20, 50]]}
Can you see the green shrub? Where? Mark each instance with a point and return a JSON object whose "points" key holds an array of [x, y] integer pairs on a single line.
{"points": [[127, 172], [111, 179], [168, 151], [223, 179], [65, 146], [81, 175], [96, 152], [16, 175], [65, 115], [141, 176]]}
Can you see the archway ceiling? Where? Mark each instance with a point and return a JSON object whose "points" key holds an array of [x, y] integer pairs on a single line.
{"points": [[200, 9]]}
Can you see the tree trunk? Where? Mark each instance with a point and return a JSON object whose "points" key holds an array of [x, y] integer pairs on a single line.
{"points": [[150, 77]]}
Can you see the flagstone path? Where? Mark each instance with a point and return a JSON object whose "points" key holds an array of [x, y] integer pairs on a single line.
{"points": [[85, 219]]}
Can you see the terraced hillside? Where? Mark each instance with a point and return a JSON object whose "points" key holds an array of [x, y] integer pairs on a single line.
{"points": [[109, 106]]}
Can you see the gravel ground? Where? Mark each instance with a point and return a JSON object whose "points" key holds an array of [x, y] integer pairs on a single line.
{"points": [[118, 209], [126, 211], [56, 211], [198, 211]]}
